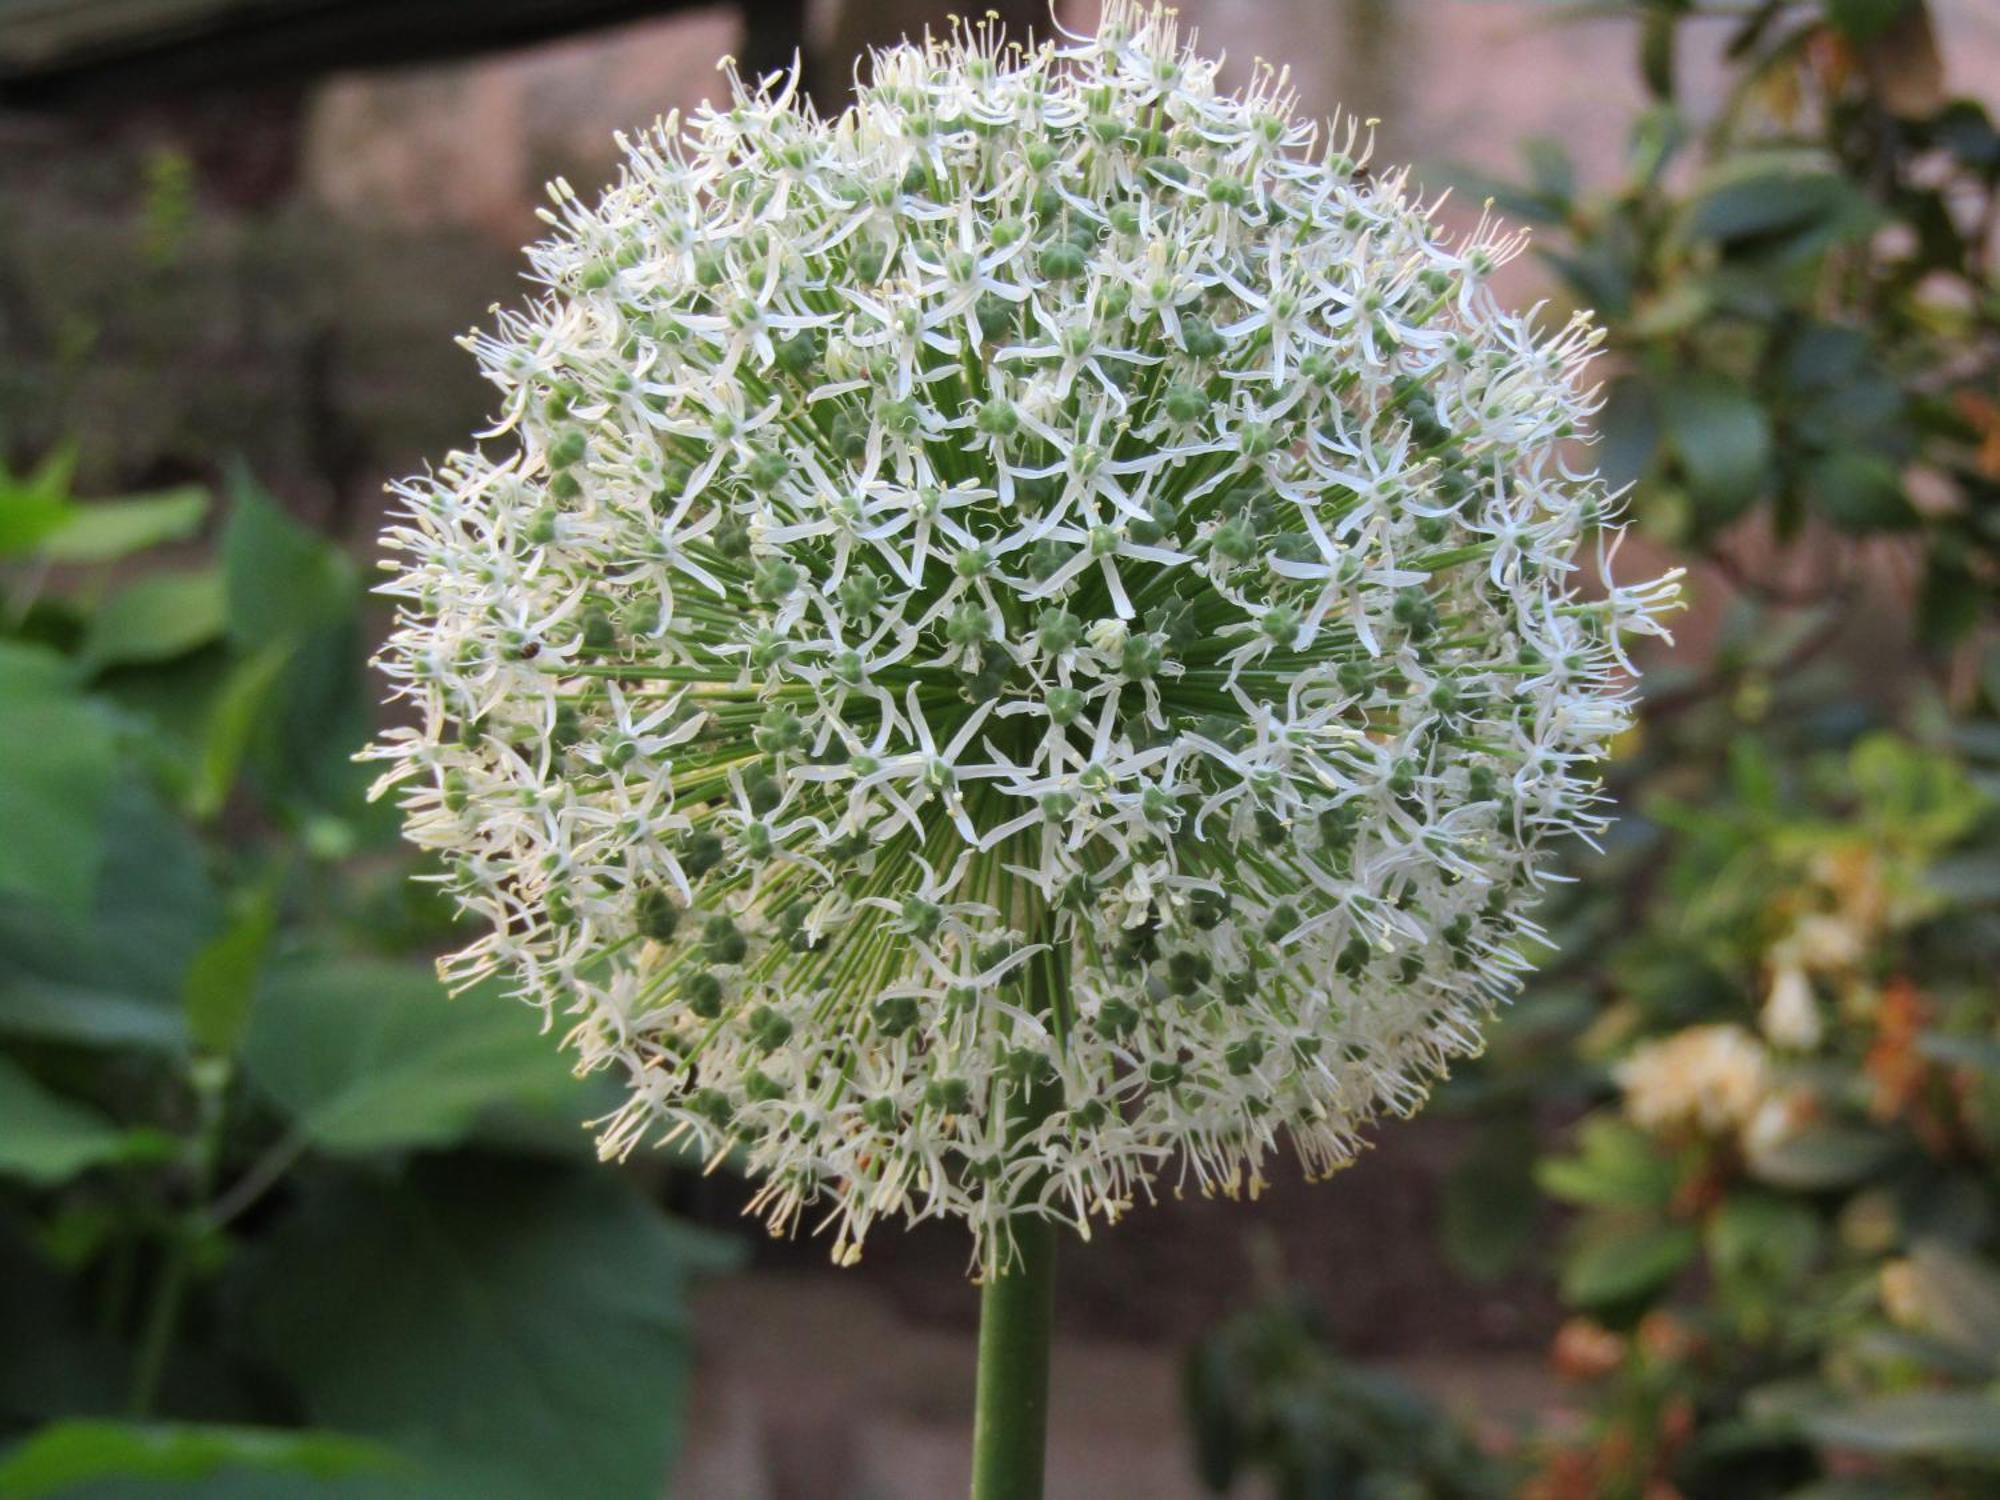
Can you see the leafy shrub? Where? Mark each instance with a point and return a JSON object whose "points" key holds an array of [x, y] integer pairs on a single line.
{"points": [[272, 1208]]}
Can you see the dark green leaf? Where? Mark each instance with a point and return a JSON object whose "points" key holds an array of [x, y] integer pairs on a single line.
{"points": [[1209, 1387], [1958, 1424], [1858, 491], [521, 1332], [370, 1056], [1629, 431], [59, 758], [1792, 206], [113, 976], [49, 1139], [1723, 441], [66, 1454], [1490, 1207], [1864, 20]]}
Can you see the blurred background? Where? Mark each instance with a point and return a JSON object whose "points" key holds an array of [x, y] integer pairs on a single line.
{"points": [[1717, 1218]]}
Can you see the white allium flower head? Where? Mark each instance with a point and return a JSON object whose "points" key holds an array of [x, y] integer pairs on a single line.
{"points": [[1011, 644]]}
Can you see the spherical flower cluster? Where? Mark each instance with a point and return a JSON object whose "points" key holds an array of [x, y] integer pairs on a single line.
{"points": [[1021, 641]]}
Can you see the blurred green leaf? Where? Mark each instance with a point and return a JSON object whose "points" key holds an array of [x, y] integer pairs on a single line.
{"points": [[1959, 1298], [112, 976], [1490, 1207], [1615, 1260], [1763, 1237], [1864, 20], [63, 1455], [28, 519], [1616, 1166], [1821, 1157], [1214, 1395], [370, 1056], [59, 758], [239, 710], [221, 983], [1858, 491], [1551, 170], [1922, 1423], [35, 505], [283, 580], [1785, 203], [1979, 1053], [106, 530], [156, 619], [48, 1139], [520, 1331], [1723, 441], [1628, 431]]}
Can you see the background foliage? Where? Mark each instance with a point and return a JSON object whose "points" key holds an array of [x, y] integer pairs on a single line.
{"points": [[1757, 1079], [271, 1206]]}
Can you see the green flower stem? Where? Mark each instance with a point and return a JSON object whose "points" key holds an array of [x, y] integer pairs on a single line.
{"points": [[1017, 1316], [1011, 1418]]}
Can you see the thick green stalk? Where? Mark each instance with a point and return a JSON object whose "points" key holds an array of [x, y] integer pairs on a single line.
{"points": [[1017, 1315], [1011, 1420]]}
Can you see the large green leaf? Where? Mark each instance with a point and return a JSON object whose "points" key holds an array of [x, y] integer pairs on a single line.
{"points": [[106, 530], [113, 975], [49, 1139], [156, 619], [57, 761], [294, 594], [519, 1331], [370, 1056], [64, 1455], [282, 579]]}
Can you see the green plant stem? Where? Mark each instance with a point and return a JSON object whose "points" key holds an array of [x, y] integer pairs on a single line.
{"points": [[1011, 1418], [1017, 1314], [210, 1080]]}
